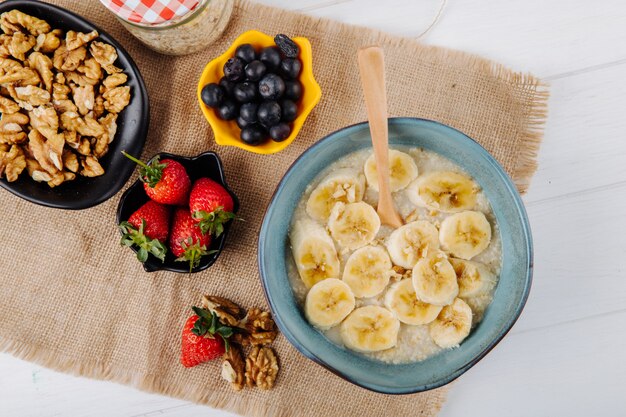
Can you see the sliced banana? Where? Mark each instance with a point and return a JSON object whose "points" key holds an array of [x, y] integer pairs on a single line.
{"points": [[415, 240], [367, 271], [353, 225], [370, 329], [474, 278], [445, 191], [403, 302], [344, 185], [402, 170], [434, 280], [465, 234], [314, 252], [328, 302], [452, 325]]}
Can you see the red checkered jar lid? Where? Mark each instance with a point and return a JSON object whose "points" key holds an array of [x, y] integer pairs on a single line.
{"points": [[151, 12]]}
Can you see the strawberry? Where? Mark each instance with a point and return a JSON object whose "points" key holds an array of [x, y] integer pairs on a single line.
{"points": [[147, 228], [204, 338], [211, 206], [165, 182], [187, 241]]}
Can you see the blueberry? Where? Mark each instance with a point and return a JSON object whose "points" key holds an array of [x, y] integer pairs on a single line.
{"points": [[289, 110], [287, 46], [269, 113], [212, 95], [253, 135], [245, 52], [280, 132], [233, 69], [245, 92], [255, 70], [243, 123], [227, 110], [271, 87], [248, 112], [228, 86], [290, 68], [270, 56], [293, 90]]}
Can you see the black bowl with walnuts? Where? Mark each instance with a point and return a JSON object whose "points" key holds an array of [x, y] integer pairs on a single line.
{"points": [[71, 99]]}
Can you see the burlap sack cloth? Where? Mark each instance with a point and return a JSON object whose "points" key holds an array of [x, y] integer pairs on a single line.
{"points": [[74, 300]]}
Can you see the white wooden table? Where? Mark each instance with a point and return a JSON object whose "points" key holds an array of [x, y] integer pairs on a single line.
{"points": [[567, 353]]}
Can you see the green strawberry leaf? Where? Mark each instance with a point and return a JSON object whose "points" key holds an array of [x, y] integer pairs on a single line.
{"points": [[135, 237], [149, 173], [213, 222], [209, 325]]}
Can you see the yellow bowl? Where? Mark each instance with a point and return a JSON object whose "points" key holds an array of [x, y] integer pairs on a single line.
{"points": [[227, 132]]}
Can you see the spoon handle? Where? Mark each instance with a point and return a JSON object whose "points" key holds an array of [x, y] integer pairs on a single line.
{"points": [[372, 69]]}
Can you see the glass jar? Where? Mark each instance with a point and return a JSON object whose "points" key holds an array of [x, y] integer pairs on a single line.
{"points": [[188, 33]]}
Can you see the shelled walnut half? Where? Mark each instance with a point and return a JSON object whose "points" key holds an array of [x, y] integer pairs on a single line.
{"points": [[261, 367], [60, 95]]}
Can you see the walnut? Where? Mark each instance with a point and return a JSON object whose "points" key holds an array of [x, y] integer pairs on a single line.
{"points": [[21, 76], [106, 55], [20, 44], [43, 65], [40, 151], [70, 121], [228, 312], [13, 138], [258, 329], [114, 80], [234, 368], [5, 40], [48, 42], [31, 96], [84, 147], [92, 72], [70, 161], [91, 167], [8, 106], [54, 147], [116, 99], [36, 172], [81, 79], [66, 60], [8, 66], [261, 367], [12, 163], [98, 110], [12, 123], [100, 145], [60, 91], [71, 139], [68, 176], [57, 179], [84, 98], [14, 20], [109, 123], [75, 40], [90, 127], [64, 106]]}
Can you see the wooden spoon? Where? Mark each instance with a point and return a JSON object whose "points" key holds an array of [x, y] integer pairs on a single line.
{"points": [[372, 69]]}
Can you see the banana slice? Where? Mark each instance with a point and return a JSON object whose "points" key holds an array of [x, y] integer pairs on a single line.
{"points": [[314, 252], [415, 240], [434, 280], [328, 302], [445, 191], [465, 234], [402, 170], [452, 325], [474, 278], [403, 302], [353, 225], [367, 271], [370, 329], [344, 185]]}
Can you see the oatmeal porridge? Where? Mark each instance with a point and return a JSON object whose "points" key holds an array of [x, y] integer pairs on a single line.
{"points": [[394, 295]]}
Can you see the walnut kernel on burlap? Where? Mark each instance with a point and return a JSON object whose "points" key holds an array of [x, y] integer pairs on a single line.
{"points": [[104, 317]]}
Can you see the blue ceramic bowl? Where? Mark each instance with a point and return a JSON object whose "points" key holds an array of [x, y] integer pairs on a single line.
{"points": [[510, 295]]}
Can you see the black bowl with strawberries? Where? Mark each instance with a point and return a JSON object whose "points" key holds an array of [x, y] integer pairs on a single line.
{"points": [[176, 216]]}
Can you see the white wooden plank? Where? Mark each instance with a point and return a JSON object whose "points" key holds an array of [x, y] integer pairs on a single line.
{"points": [[571, 370], [580, 257], [583, 145], [546, 37], [28, 390]]}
